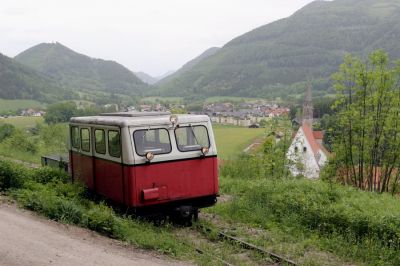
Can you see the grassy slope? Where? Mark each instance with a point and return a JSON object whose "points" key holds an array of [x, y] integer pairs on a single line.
{"points": [[18, 81], [313, 222], [156, 99], [232, 140], [22, 122], [14, 105]]}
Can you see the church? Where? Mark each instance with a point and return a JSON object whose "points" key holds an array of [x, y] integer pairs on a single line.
{"points": [[306, 153]]}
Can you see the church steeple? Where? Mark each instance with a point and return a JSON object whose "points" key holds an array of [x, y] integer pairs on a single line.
{"points": [[308, 106]]}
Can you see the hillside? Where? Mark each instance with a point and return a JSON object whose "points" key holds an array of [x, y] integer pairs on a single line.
{"points": [[276, 59], [188, 66], [20, 82], [80, 72]]}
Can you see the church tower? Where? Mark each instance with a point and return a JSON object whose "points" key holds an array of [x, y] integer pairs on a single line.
{"points": [[308, 106]]}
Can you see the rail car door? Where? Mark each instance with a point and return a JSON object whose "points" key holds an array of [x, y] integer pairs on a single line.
{"points": [[81, 155], [108, 168]]}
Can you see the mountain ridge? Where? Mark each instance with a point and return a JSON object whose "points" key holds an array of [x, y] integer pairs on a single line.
{"points": [[78, 71]]}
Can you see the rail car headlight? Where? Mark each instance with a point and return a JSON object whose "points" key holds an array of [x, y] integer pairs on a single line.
{"points": [[149, 156], [205, 150], [173, 119]]}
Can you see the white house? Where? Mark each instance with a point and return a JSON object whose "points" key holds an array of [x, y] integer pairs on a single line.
{"points": [[306, 152]]}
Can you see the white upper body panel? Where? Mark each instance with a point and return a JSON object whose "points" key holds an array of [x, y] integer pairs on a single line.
{"points": [[128, 123]]}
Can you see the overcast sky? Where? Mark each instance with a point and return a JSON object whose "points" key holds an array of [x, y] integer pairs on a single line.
{"points": [[154, 36]]}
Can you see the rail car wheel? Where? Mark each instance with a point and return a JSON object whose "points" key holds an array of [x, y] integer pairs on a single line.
{"points": [[184, 215]]}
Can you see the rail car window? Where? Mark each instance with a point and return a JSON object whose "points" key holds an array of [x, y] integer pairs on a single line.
{"points": [[114, 143], [100, 143], [75, 137], [156, 141], [192, 138], [85, 139]]}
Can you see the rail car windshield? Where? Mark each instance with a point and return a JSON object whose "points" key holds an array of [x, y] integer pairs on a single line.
{"points": [[192, 138], [156, 141]]}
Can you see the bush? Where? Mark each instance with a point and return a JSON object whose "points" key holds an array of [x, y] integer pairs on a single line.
{"points": [[12, 175], [318, 206], [20, 141], [6, 130], [47, 174], [101, 218]]}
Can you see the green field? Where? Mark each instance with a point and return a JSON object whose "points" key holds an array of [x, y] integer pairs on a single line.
{"points": [[22, 121], [232, 140], [14, 105], [155, 99], [231, 99]]}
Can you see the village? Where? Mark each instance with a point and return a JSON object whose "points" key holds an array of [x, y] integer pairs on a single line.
{"points": [[245, 114]]}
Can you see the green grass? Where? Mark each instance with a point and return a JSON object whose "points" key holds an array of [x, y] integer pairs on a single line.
{"points": [[50, 193], [155, 99], [313, 222], [22, 122], [231, 99], [14, 105], [232, 140]]}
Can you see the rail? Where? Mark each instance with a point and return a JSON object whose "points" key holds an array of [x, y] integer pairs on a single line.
{"points": [[280, 260]]}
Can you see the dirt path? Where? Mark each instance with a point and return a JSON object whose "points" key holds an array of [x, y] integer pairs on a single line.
{"points": [[26, 239]]}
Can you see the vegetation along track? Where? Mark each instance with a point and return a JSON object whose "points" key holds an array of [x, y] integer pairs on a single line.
{"points": [[214, 239], [223, 236]]}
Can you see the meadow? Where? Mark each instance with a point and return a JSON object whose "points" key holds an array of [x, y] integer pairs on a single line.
{"points": [[155, 99], [22, 122], [231, 99], [14, 105], [232, 140]]}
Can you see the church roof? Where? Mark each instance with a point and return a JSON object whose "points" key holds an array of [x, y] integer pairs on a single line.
{"points": [[318, 134], [310, 137]]}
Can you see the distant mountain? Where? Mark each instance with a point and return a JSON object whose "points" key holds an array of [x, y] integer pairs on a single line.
{"points": [[21, 82], [188, 66], [80, 72], [275, 60], [166, 74], [146, 78]]}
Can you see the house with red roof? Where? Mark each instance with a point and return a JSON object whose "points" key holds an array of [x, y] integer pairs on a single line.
{"points": [[306, 153]]}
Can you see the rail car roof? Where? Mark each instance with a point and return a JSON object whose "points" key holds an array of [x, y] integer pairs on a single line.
{"points": [[124, 119]]}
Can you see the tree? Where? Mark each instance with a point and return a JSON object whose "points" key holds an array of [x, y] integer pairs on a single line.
{"points": [[367, 132], [60, 112]]}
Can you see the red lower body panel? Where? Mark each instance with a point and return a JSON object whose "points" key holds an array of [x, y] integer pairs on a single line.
{"points": [[149, 184], [174, 180]]}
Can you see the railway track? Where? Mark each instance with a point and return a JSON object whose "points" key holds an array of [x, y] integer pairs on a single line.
{"points": [[221, 235]]}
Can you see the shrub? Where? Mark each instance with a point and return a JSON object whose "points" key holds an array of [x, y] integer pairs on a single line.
{"points": [[101, 218], [12, 175], [6, 131], [47, 174], [20, 141], [320, 207]]}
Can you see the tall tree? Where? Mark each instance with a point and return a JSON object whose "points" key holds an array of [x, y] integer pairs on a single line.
{"points": [[367, 141]]}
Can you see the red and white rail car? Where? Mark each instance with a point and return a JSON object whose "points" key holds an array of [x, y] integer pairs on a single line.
{"points": [[148, 161]]}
